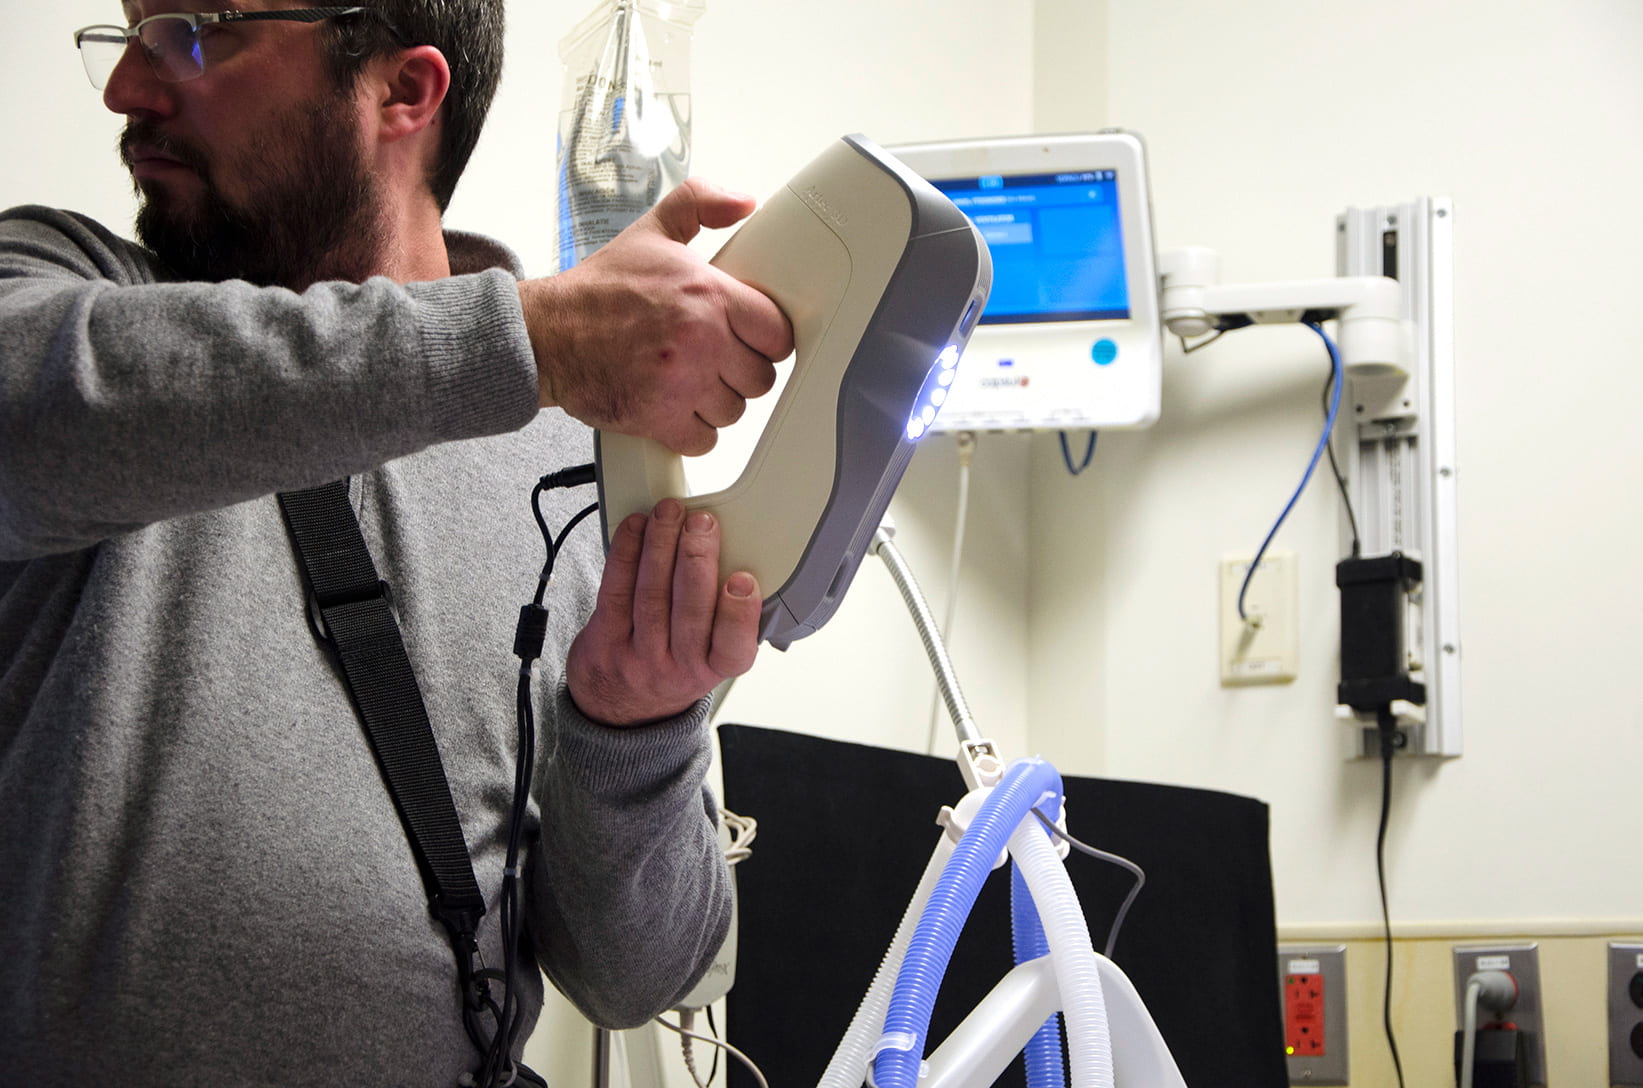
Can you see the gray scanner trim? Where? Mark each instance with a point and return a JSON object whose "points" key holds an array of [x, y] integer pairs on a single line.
{"points": [[943, 269]]}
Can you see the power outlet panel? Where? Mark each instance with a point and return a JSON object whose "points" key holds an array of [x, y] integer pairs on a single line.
{"points": [[1522, 962], [1313, 982], [1262, 646], [1626, 1015]]}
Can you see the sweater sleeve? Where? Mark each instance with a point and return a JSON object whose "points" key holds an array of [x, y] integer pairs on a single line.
{"points": [[125, 401], [629, 890]]}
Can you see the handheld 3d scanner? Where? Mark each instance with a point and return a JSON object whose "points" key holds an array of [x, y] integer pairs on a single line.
{"points": [[883, 280]]}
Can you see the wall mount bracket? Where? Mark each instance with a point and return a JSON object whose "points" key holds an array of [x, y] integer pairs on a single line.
{"points": [[1398, 452]]}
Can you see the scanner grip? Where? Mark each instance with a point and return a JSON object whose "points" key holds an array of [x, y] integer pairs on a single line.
{"points": [[787, 250]]}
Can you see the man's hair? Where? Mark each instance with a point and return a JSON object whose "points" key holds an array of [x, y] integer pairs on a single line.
{"points": [[468, 32]]}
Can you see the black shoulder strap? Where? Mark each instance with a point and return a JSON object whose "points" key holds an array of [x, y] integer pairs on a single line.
{"points": [[350, 607]]}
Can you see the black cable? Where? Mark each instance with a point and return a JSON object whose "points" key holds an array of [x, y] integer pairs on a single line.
{"points": [[570, 477], [575, 476], [1389, 743], [549, 543], [713, 1030], [497, 1066], [510, 1017], [586, 511], [547, 539], [1334, 467]]}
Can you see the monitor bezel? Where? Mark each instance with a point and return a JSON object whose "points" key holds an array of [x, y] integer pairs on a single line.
{"points": [[1023, 156]]}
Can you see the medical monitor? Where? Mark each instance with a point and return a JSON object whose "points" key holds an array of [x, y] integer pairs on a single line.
{"points": [[1070, 338]]}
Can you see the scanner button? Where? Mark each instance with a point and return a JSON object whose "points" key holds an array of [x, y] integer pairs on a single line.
{"points": [[1104, 351]]}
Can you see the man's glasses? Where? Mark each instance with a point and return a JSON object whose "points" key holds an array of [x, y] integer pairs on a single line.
{"points": [[171, 41]]}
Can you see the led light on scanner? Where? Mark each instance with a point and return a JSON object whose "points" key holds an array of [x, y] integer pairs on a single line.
{"points": [[883, 280]]}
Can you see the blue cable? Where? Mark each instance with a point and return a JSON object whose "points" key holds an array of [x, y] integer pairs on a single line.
{"points": [[1323, 443], [1089, 452]]}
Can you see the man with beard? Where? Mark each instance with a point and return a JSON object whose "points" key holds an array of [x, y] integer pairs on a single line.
{"points": [[205, 879]]}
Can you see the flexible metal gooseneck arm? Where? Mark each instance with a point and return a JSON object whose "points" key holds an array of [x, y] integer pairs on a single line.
{"points": [[929, 633]]}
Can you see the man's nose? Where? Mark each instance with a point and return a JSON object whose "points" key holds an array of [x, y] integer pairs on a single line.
{"points": [[133, 89]]}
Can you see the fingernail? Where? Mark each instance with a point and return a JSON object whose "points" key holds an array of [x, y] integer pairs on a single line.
{"points": [[741, 584], [699, 522], [669, 510]]}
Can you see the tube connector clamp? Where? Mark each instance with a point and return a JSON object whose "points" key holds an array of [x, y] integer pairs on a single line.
{"points": [[955, 820], [1062, 842], [979, 763]]}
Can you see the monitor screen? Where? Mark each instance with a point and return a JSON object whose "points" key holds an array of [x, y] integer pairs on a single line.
{"points": [[1056, 242]]}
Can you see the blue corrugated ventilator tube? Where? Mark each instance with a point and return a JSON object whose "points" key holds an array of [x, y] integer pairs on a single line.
{"points": [[1026, 785]]}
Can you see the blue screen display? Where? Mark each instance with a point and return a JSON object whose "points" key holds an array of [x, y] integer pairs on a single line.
{"points": [[1056, 242]]}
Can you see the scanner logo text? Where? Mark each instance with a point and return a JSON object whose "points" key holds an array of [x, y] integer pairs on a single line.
{"points": [[823, 207]]}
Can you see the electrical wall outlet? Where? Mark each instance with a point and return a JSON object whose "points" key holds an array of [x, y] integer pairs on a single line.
{"points": [[1626, 1015], [1263, 645], [1313, 981], [1522, 962]]}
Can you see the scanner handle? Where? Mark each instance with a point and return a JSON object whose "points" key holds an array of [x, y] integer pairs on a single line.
{"points": [[828, 286]]}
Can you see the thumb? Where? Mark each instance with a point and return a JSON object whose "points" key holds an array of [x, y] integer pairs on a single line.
{"points": [[695, 204]]}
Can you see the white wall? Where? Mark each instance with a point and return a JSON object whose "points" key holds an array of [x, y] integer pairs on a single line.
{"points": [[1264, 120], [59, 141]]}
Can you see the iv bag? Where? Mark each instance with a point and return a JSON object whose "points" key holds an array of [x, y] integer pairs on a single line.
{"points": [[624, 118]]}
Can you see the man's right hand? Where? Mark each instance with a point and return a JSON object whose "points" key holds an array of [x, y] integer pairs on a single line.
{"points": [[647, 338]]}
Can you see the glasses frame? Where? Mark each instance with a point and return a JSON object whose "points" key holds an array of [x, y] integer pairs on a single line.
{"points": [[195, 20]]}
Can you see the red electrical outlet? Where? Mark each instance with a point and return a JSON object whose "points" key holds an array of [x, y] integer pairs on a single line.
{"points": [[1316, 1040], [1304, 1016]]}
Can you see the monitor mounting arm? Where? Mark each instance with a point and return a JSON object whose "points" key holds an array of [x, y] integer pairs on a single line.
{"points": [[1370, 308]]}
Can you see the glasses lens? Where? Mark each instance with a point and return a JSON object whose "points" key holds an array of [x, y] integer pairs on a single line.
{"points": [[100, 50], [173, 48]]}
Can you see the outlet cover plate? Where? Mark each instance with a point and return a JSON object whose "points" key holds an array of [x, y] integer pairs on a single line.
{"points": [[1626, 1015], [1312, 979], [1267, 649], [1522, 962]]}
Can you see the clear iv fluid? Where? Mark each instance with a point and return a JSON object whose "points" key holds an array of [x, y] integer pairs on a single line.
{"points": [[624, 141]]}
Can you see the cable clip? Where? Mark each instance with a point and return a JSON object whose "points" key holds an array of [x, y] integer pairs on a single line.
{"points": [[979, 763], [1063, 847], [895, 1040]]}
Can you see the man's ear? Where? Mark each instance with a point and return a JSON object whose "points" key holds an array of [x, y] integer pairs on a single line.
{"points": [[410, 87]]}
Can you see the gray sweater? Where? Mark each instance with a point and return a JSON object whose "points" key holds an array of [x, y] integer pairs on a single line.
{"points": [[202, 878]]}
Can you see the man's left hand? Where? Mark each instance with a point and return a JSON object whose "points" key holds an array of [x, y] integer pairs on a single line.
{"points": [[664, 632]]}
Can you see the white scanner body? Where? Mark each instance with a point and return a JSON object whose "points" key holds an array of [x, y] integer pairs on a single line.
{"points": [[883, 280]]}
